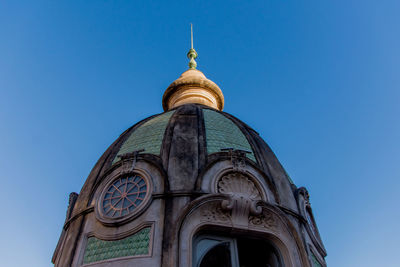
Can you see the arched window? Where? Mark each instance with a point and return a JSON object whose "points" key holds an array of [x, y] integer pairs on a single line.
{"points": [[216, 251]]}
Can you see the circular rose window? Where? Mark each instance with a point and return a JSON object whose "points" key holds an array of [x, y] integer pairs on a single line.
{"points": [[123, 196]]}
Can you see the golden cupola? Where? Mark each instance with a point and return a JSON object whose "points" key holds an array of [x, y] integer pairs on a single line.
{"points": [[193, 87]]}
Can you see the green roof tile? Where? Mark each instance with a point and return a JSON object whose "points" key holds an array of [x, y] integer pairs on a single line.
{"points": [[136, 244], [221, 132], [148, 136]]}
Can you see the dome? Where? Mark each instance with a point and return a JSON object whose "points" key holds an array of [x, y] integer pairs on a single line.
{"points": [[181, 185], [188, 138], [184, 148], [194, 135]]}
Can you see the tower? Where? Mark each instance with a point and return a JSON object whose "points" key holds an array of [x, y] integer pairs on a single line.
{"points": [[192, 186]]}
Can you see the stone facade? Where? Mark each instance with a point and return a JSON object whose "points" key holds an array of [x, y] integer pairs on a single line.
{"points": [[193, 183]]}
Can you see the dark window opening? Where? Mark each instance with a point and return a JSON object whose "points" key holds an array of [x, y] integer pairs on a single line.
{"points": [[256, 253], [218, 256], [213, 251]]}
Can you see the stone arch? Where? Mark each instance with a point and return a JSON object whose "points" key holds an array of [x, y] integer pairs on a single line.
{"points": [[206, 182], [209, 212]]}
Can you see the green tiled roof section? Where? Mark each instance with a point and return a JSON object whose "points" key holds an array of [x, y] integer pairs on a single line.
{"points": [[221, 132], [148, 136], [136, 244], [315, 262]]}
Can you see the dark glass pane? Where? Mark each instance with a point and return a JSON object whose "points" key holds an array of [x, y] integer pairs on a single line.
{"points": [[218, 256], [110, 212], [118, 204], [124, 212], [126, 203], [129, 187], [121, 187], [257, 253], [107, 209]]}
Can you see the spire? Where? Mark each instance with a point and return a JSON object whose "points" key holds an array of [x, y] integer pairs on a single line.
{"points": [[192, 54], [193, 87]]}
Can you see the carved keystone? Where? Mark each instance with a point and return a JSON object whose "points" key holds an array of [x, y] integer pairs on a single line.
{"points": [[244, 196]]}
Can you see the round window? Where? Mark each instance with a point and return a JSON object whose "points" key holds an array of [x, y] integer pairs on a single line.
{"points": [[124, 195]]}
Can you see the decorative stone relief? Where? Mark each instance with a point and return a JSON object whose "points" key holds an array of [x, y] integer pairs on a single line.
{"points": [[238, 184], [129, 161], [214, 213], [264, 220], [71, 204], [238, 158], [244, 196]]}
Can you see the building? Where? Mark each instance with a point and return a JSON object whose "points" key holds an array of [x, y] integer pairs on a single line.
{"points": [[193, 186]]}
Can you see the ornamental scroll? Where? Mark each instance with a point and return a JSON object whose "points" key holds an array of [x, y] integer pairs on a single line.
{"points": [[244, 196]]}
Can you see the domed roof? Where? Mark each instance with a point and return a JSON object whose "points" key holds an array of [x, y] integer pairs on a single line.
{"points": [[184, 142], [192, 134], [197, 131], [221, 132], [181, 146]]}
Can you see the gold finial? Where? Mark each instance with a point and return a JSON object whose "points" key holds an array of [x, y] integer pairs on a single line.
{"points": [[192, 87], [192, 54]]}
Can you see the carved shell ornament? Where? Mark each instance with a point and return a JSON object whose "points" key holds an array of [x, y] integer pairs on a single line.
{"points": [[239, 185], [243, 197]]}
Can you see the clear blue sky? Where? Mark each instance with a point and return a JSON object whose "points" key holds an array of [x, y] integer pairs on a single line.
{"points": [[319, 80]]}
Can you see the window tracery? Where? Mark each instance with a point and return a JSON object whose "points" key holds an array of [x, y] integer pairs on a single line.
{"points": [[123, 197]]}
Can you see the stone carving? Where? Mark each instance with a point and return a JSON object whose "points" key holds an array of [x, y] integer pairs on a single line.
{"points": [[132, 156], [239, 185], [238, 158], [302, 191], [244, 196], [71, 204], [263, 220], [214, 213]]}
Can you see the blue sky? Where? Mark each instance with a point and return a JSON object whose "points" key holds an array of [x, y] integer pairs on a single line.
{"points": [[319, 80]]}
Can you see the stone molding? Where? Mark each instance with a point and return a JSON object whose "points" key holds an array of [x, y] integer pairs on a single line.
{"points": [[303, 202], [210, 212]]}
